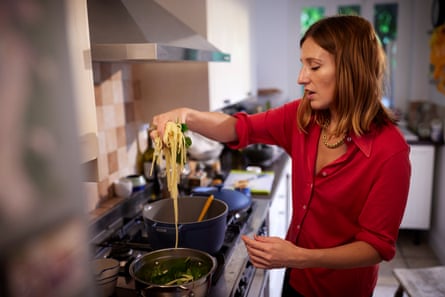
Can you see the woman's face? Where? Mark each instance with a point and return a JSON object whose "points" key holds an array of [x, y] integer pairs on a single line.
{"points": [[317, 74]]}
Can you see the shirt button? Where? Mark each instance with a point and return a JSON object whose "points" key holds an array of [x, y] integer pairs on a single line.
{"points": [[298, 226], [324, 173], [304, 206], [348, 139]]}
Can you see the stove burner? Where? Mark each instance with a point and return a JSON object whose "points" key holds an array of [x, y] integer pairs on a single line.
{"points": [[121, 252]]}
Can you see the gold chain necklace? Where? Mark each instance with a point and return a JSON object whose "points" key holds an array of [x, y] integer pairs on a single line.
{"points": [[325, 138]]}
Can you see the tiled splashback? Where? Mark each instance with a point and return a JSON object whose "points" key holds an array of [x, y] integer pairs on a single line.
{"points": [[119, 118]]}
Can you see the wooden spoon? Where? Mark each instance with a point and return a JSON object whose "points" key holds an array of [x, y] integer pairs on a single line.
{"points": [[205, 208]]}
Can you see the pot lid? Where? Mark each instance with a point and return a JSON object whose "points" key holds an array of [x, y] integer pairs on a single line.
{"points": [[236, 201]]}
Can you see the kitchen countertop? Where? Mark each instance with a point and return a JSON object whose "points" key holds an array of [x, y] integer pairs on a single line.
{"points": [[413, 139]]}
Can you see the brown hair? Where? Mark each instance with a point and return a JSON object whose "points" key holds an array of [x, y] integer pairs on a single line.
{"points": [[360, 71]]}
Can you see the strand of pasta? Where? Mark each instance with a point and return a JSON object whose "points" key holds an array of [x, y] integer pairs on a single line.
{"points": [[170, 147]]}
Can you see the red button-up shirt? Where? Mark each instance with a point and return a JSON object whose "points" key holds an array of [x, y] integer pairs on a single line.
{"points": [[361, 196]]}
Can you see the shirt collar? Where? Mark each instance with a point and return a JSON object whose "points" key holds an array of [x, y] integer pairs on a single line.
{"points": [[364, 142]]}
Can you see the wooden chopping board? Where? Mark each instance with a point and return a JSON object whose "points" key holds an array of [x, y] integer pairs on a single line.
{"points": [[259, 183]]}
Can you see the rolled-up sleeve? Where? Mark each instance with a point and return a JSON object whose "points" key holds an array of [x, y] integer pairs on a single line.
{"points": [[383, 211], [271, 127]]}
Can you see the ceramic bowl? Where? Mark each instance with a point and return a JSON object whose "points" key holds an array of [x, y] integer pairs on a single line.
{"points": [[107, 288], [123, 187], [105, 269]]}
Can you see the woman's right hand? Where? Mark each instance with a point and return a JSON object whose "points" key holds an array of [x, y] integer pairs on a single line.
{"points": [[214, 125], [178, 115]]}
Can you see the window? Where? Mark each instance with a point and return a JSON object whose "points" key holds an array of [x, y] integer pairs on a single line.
{"points": [[310, 15], [385, 23], [349, 9]]}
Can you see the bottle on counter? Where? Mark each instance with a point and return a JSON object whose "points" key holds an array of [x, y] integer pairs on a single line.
{"points": [[437, 130], [147, 160]]}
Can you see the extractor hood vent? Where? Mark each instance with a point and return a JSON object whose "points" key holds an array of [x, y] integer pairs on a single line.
{"points": [[144, 31]]}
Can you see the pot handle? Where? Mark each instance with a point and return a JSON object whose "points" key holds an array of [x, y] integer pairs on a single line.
{"points": [[161, 228], [190, 292], [146, 288]]}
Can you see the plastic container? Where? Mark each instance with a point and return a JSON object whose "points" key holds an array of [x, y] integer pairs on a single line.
{"points": [[437, 130]]}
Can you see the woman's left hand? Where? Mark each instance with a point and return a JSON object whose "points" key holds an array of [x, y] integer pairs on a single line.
{"points": [[274, 252], [269, 252]]}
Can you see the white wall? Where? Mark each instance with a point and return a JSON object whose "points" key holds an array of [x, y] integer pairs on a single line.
{"points": [[419, 55], [272, 44]]}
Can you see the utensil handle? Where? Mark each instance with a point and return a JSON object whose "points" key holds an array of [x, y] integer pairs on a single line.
{"points": [[205, 208]]}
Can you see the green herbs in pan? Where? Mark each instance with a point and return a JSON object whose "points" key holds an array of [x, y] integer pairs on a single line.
{"points": [[171, 272]]}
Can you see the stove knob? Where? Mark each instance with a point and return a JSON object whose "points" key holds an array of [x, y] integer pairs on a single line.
{"points": [[242, 282], [242, 286], [240, 292]]}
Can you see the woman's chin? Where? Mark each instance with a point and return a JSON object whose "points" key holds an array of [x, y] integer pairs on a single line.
{"points": [[317, 106]]}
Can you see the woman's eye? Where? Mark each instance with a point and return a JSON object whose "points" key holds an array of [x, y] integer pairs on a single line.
{"points": [[314, 68]]}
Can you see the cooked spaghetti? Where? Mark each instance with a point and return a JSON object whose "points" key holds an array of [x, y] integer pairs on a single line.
{"points": [[172, 147]]}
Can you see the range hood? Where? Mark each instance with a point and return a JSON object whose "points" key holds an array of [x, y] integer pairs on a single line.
{"points": [[144, 31]]}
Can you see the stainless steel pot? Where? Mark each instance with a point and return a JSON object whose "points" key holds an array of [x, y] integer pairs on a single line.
{"points": [[196, 288], [207, 235]]}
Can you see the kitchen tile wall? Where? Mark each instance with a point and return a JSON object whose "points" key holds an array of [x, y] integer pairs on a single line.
{"points": [[119, 118]]}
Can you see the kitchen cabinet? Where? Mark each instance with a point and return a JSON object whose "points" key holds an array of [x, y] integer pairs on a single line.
{"points": [[228, 26], [418, 209], [278, 220], [82, 77]]}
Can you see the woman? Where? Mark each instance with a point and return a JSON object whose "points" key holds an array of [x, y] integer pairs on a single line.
{"points": [[350, 163]]}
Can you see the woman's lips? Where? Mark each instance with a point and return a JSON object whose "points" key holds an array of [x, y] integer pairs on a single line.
{"points": [[310, 95]]}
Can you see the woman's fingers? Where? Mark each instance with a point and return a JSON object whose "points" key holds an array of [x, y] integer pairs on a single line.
{"points": [[267, 252]]}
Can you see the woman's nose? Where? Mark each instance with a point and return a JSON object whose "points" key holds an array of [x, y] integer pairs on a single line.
{"points": [[303, 77]]}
